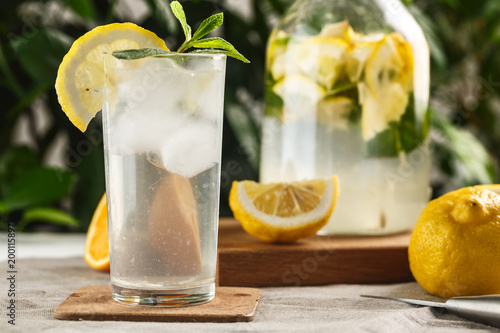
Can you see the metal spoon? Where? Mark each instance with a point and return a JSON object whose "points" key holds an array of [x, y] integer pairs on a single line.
{"points": [[483, 309]]}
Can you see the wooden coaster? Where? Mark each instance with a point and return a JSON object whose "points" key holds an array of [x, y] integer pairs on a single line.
{"points": [[94, 303]]}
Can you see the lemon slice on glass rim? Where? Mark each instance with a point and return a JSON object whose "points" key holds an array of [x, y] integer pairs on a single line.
{"points": [[80, 78], [283, 212]]}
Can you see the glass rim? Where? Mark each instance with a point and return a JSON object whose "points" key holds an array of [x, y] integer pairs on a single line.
{"points": [[201, 55]]}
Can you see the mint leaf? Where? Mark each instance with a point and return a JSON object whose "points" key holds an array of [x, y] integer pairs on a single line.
{"points": [[139, 53], [218, 43], [208, 25], [181, 16]]}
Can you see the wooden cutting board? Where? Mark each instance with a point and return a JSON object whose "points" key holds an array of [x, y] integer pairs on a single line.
{"points": [[247, 261]]}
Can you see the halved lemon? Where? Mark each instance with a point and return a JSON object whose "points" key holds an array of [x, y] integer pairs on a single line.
{"points": [[80, 78], [96, 244], [283, 212]]}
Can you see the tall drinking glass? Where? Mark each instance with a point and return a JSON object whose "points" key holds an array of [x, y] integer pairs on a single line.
{"points": [[162, 119]]}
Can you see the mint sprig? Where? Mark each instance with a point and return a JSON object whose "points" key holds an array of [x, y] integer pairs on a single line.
{"points": [[216, 44], [207, 45]]}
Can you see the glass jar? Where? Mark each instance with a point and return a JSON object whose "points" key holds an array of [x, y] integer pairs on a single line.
{"points": [[347, 89]]}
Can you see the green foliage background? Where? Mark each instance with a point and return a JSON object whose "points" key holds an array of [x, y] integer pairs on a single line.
{"points": [[464, 37]]}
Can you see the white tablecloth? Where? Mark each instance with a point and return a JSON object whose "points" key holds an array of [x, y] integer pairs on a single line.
{"points": [[43, 283]]}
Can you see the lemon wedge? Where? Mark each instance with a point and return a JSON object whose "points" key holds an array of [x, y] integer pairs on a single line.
{"points": [[322, 59], [405, 52], [379, 111], [80, 78], [391, 61], [283, 212], [337, 30], [389, 78], [277, 53], [356, 59], [96, 252], [334, 111], [300, 94]]}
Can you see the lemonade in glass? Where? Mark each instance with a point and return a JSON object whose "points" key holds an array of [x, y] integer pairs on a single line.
{"points": [[162, 120], [162, 125]]}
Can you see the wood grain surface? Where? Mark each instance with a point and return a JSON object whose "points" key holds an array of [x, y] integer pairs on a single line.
{"points": [[95, 303], [247, 261]]}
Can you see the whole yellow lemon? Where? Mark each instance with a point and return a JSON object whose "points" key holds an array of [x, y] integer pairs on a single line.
{"points": [[455, 246]]}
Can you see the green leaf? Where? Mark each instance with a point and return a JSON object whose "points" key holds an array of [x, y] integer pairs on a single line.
{"points": [[46, 214], [467, 157], [37, 187], [383, 144], [403, 135], [84, 8], [218, 43], [139, 53], [4, 208], [181, 16], [208, 25], [274, 105], [14, 163], [340, 88], [41, 53]]}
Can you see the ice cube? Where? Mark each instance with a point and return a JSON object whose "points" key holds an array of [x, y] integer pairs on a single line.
{"points": [[122, 136], [191, 149], [159, 101], [135, 135]]}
